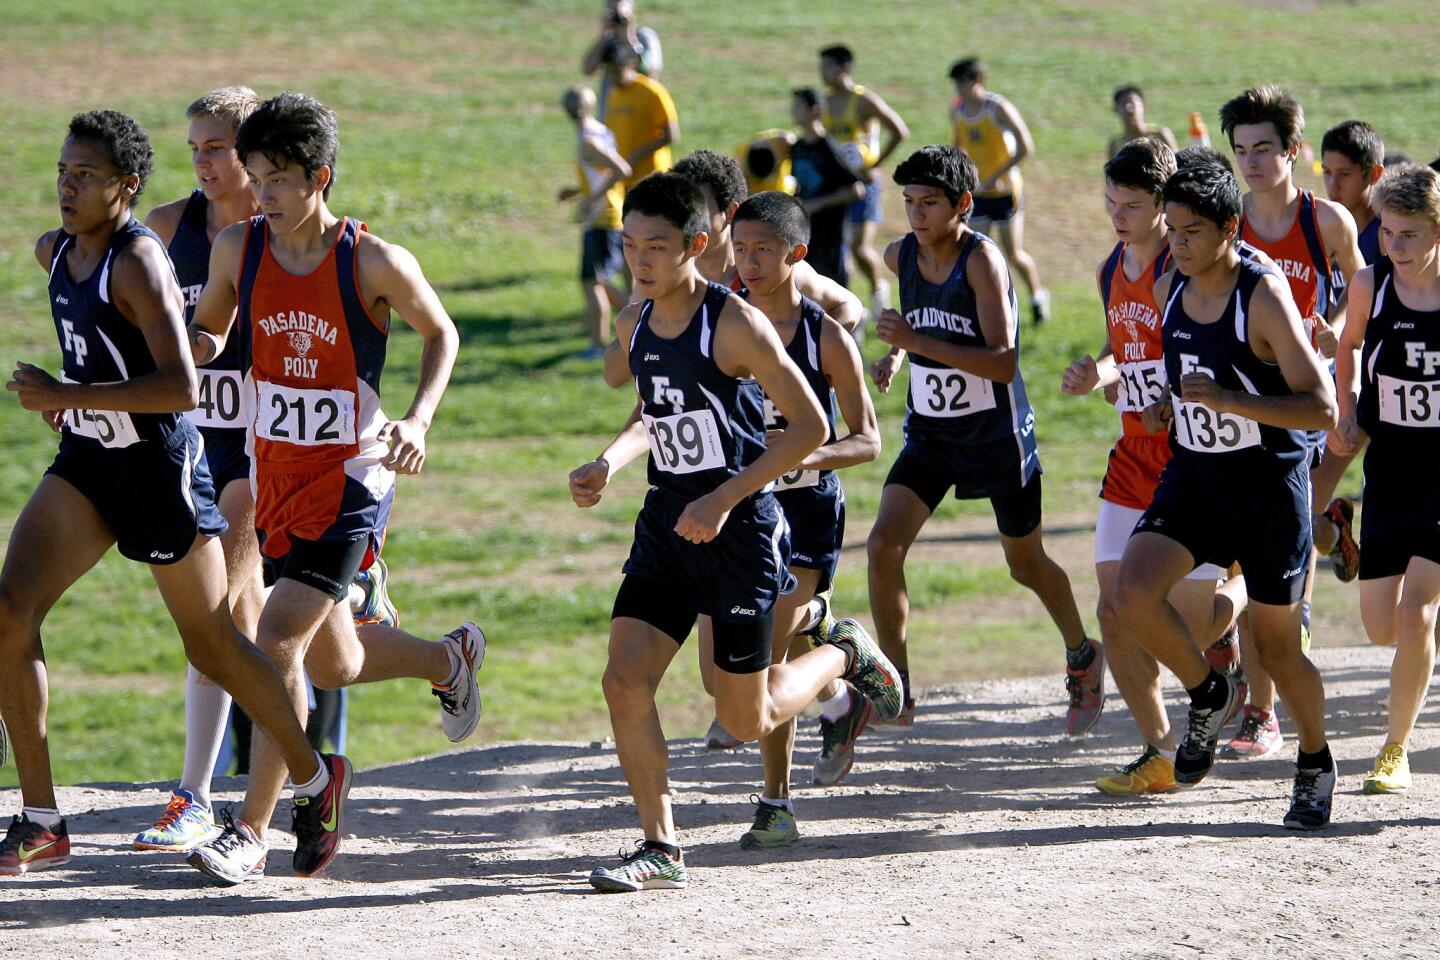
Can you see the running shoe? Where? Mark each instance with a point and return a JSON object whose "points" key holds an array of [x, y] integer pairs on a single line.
{"points": [[718, 738], [28, 847], [867, 669], [1224, 654], [1151, 772], [1196, 754], [460, 702], [774, 826], [1345, 557], [1040, 306], [317, 821], [183, 826], [645, 869], [1258, 737], [1391, 773], [1242, 691], [1310, 799], [4, 742], [906, 718], [825, 624], [234, 856], [374, 605], [1086, 687], [837, 741]]}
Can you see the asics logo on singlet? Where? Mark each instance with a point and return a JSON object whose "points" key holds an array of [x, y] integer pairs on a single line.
{"points": [[931, 317], [60, 299], [1417, 356], [652, 356], [1293, 573], [662, 392], [743, 611], [74, 343], [300, 366], [1181, 335], [157, 555], [1404, 325]]}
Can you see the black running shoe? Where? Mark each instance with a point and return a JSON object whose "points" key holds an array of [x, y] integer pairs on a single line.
{"points": [[1310, 800], [1196, 754]]}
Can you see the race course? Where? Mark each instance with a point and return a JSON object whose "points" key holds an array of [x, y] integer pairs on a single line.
{"points": [[483, 852]]}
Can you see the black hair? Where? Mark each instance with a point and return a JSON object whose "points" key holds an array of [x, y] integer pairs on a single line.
{"points": [[808, 96], [674, 199], [840, 53], [126, 145], [1435, 164], [944, 167], [292, 129], [618, 52], [1122, 92], [1357, 141], [760, 160], [1395, 159], [1197, 154], [783, 212], [722, 174], [1144, 163], [968, 70], [1209, 190]]}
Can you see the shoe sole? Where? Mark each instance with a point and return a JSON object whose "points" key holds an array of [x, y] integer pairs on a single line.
{"points": [[613, 885], [747, 844], [1374, 789], [34, 866], [139, 844], [339, 818], [850, 761], [1194, 779], [471, 671], [1109, 792], [200, 863], [1298, 825]]}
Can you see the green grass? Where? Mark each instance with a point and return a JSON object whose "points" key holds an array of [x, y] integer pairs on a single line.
{"points": [[454, 147]]}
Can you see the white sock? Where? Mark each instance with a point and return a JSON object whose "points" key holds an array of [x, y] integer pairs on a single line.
{"points": [[356, 598], [316, 784], [838, 705], [207, 713], [789, 807], [45, 816]]}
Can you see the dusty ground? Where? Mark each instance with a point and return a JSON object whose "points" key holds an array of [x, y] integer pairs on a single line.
{"points": [[976, 834]]}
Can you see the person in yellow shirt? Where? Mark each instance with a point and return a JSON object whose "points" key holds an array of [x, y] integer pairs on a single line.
{"points": [[602, 172], [992, 133], [854, 117], [640, 112], [765, 160]]}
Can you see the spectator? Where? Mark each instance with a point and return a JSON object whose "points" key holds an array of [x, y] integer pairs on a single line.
{"points": [[617, 24], [640, 112], [826, 183]]}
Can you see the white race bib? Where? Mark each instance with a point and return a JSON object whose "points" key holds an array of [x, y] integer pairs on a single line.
{"points": [[1409, 403], [1142, 383], [685, 442], [797, 479], [224, 401], [942, 392], [113, 428], [307, 418], [1203, 430]]}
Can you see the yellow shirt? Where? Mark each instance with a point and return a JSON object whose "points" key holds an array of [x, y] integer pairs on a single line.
{"points": [[605, 213], [638, 114], [859, 139], [988, 144], [780, 178]]}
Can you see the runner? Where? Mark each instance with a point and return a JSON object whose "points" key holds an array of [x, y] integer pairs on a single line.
{"points": [[992, 133], [969, 424], [1132, 361], [309, 295], [710, 538], [129, 472], [1388, 362], [1244, 386]]}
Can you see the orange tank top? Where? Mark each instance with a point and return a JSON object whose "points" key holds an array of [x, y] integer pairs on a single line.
{"points": [[1301, 256], [316, 355], [1132, 320]]}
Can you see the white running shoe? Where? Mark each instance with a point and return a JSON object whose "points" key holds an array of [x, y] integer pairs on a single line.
{"points": [[234, 856], [460, 703]]}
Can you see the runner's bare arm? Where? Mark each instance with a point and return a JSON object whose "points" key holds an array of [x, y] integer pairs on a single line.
{"points": [[588, 481], [214, 315], [1348, 437], [840, 358], [165, 220], [873, 105], [835, 299]]}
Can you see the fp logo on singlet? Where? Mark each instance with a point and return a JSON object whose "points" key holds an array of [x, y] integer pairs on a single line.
{"points": [[1417, 356], [664, 393], [301, 366], [74, 343]]}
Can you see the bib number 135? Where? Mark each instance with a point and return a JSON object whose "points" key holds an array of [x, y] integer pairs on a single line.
{"points": [[307, 418], [685, 442]]}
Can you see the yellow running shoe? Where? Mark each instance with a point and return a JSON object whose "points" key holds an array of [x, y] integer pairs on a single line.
{"points": [[1391, 773], [1152, 772]]}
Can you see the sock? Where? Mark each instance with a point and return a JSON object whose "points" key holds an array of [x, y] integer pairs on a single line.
{"points": [[671, 849], [1320, 760], [905, 685], [1211, 692], [356, 598], [207, 713], [315, 785], [779, 802], [838, 705], [45, 816], [454, 676], [1081, 657]]}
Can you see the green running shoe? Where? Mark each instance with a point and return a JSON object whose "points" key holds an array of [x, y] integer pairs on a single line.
{"points": [[868, 670], [645, 869], [825, 624], [375, 607], [773, 827]]}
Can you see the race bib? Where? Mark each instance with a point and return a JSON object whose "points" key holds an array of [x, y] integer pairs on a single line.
{"points": [[307, 418], [224, 401], [797, 480], [113, 428], [1203, 430], [1142, 383], [1409, 403], [685, 442], [941, 392]]}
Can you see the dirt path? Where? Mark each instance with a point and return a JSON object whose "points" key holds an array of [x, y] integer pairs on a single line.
{"points": [[977, 834]]}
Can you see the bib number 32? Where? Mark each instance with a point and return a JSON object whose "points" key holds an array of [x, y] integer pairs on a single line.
{"points": [[942, 392]]}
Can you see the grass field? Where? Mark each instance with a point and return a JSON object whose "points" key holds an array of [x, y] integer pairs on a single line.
{"points": [[452, 145]]}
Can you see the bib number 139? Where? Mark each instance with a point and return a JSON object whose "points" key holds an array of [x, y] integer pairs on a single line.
{"points": [[685, 442]]}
